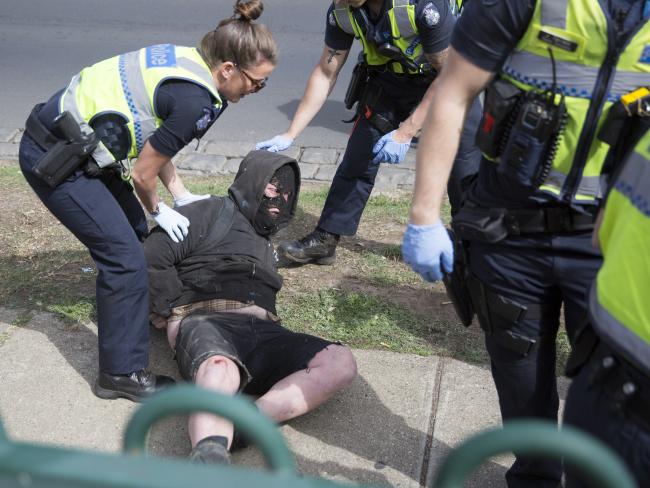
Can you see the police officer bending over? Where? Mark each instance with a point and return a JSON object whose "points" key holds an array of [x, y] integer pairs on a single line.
{"points": [[216, 291], [404, 46], [552, 69], [76, 155]]}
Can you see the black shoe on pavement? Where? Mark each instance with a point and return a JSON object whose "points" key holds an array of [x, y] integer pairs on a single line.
{"points": [[317, 247], [238, 442], [135, 386], [211, 450]]}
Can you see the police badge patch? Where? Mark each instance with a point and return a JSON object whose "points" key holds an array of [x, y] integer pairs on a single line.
{"points": [[203, 122], [331, 19], [431, 15]]}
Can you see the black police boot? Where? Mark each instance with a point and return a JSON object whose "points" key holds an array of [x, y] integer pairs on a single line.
{"points": [[135, 386], [211, 450], [317, 247]]}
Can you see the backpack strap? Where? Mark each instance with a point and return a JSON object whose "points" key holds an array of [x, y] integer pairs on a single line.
{"points": [[222, 222]]}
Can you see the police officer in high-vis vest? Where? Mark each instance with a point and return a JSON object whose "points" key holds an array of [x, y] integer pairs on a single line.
{"points": [[114, 128], [404, 45], [553, 70], [610, 396]]}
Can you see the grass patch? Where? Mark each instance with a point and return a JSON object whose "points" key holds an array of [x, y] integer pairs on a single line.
{"points": [[369, 299], [382, 268], [202, 186], [75, 312], [22, 319], [11, 176], [387, 207], [357, 320], [46, 281], [563, 349]]}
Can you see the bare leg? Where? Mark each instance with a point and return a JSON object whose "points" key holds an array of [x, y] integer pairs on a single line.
{"points": [[220, 374], [330, 370]]}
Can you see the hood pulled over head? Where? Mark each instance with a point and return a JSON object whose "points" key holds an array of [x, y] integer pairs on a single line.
{"points": [[266, 190]]}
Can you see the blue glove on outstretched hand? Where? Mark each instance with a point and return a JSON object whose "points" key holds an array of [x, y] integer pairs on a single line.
{"points": [[276, 144], [175, 224], [428, 250], [389, 150]]}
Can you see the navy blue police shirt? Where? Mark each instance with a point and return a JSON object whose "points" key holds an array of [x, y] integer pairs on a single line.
{"points": [[435, 22], [186, 109], [485, 34], [433, 19]]}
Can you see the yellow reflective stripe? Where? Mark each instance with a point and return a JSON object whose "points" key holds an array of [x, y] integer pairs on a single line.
{"points": [[590, 186], [403, 19], [102, 156], [196, 69], [137, 98], [634, 182], [573, 80], [553, 13], [342, 16], [617, 334], [625, 82]]}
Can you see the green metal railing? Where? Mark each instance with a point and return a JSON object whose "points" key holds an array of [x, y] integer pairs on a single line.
{"points": [[23, 464], [537, 438], [186, 399]]}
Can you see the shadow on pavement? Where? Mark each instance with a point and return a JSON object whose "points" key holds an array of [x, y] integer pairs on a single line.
{"points": [[331, 116]]}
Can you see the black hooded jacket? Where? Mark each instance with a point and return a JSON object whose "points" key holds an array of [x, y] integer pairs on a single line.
{"points": [[223, 256]]}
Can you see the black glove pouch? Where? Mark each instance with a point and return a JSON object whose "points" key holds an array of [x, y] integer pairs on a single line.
{"points": [[479, 224], [358, 84]]}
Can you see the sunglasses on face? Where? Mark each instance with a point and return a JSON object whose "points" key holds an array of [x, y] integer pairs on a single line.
{"points": [[257, 84]]}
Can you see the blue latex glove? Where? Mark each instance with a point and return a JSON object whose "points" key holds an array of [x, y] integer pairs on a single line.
{"points": [[428, 250], [389, 150], [188, 197], [278, 143], [172, 222]]}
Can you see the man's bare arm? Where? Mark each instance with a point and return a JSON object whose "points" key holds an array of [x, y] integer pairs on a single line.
{"points": [[458, 83], [320, 85]]}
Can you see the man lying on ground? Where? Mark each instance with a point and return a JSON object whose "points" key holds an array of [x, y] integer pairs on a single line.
{"points": [[215, 292]]}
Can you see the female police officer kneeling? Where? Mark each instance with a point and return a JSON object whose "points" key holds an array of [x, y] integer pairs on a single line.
{"points": [[146, 104]]}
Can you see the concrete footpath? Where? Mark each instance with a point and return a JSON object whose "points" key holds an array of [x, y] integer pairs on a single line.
{"points": [[392, 426]]}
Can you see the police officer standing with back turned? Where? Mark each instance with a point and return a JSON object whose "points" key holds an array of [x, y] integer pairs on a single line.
{"points": [[76, 153], [552, 69], [404, 44], [610, 396]]}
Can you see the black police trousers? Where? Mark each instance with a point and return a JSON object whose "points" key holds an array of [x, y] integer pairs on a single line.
{"points": [[355, 176], [546, 271], [110, 223], [589, 407]]}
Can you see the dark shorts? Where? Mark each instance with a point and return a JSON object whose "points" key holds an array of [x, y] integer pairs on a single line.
{"points": [[265, 351]]}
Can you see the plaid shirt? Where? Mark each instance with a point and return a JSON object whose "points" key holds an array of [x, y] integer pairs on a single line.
{"points": [[213, 306]]}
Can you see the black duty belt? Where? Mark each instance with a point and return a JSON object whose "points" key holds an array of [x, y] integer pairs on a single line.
{"points": [[492, 225], [626, 388], [547, 220]]}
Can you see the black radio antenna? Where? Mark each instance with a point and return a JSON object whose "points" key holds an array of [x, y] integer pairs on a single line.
{"points": [[554, 86]]}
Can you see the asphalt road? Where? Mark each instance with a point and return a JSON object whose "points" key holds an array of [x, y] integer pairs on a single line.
{"points": [[44, 42]]}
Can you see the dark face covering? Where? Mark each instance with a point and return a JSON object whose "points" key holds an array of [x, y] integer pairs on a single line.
{"points": [[284, 180]]}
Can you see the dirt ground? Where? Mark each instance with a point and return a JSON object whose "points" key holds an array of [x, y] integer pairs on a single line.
{"points": [[44, 267]]}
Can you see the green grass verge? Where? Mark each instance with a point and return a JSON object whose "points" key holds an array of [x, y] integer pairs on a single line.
{"points": [[11, 176], [355, 319]]}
